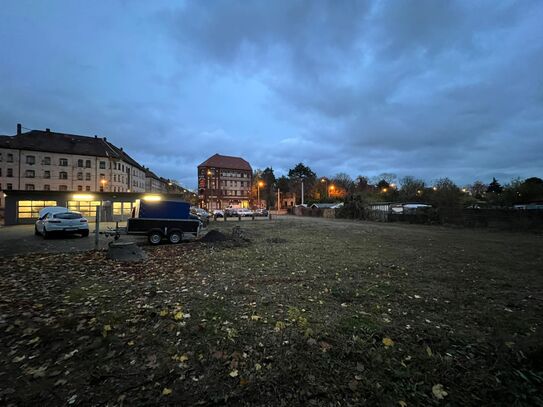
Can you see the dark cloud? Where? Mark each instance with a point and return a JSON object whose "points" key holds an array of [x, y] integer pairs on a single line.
{"points": [[420, 87]]}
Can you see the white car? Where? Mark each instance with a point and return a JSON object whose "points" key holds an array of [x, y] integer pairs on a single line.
{"points": [[245, 212], [60, 220]]}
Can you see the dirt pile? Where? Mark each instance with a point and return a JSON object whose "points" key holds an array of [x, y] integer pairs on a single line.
{"points": [[214, 236]]}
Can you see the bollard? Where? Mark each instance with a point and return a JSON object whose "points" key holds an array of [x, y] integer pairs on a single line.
{"points": [[225, 216], [253, 216], [239, 218], [269, 215]]}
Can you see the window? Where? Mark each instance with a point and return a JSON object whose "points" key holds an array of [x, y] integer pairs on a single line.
{"points": [[31, 209], [87, 188], [80, 176], [122, 208], [9, 172], [80, 163], [102, 165], [87, 163], [62, 175], [87, 208], [30, 160], [9, 186], [123, 168], [115, 177], [29, 187], [30, 174], [63, 162], [47, 187], [80, 187], [46, 161], [102, 176], [0, 157], [88, 176], [9, 158], [62, 188], [47, 174]]}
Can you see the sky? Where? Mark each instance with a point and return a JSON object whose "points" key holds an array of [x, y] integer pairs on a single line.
{"points": [[428, 88]]}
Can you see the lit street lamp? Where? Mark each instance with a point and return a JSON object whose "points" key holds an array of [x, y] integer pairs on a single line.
{"points": [[260, 184], [325, 182], [331, 192]]}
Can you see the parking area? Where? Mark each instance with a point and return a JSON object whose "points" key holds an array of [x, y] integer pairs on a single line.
{"points": [[19, 239]]}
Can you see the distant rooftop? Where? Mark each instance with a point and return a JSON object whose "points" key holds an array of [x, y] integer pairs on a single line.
{"points": [[225, 161]]}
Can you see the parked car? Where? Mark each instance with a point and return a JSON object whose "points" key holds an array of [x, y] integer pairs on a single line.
{"points": [[218, 213], [261, 212], [231, 211], [245, 212], [60, 220], [201, 214]]}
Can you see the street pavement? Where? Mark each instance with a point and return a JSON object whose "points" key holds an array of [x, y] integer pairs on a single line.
{"points": [[20, 239]]}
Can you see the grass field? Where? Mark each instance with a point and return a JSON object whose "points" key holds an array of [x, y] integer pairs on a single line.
{"points": [[303, 312]]}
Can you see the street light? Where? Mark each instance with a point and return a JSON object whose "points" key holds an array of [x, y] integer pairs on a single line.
{"points": [[260, 184], [209, 173], [331, 190], [325, 181]]}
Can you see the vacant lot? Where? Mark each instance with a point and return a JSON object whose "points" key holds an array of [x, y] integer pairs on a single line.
{"points": [[303, 312]]}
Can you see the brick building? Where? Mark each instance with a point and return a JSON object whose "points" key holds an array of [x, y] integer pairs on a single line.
{"points": [[224, 181]]}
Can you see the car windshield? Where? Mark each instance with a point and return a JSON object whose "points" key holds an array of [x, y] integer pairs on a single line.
{"points": [[68, 215]]}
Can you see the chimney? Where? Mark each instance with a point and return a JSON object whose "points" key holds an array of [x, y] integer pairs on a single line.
{"points": [[95, 136], [19, 129], [105, 139], [48, 130]]}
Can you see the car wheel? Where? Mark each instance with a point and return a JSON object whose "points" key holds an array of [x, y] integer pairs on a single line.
{"points": [[45, 233], [155, 238], [85, 233], [175, 237]]}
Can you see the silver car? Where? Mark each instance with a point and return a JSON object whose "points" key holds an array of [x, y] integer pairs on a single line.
{"points": [[61, 220]]}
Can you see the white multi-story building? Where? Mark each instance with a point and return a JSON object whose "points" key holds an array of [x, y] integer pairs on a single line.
{"points": [[50, 161]]}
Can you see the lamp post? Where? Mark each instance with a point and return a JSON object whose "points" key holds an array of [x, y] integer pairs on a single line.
{"points": [[209, 173], [259, 184], [331, 190], [325, 182]]}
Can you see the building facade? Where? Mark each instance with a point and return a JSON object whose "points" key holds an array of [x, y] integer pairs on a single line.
{"points": [[50, 161], [224, 181]]}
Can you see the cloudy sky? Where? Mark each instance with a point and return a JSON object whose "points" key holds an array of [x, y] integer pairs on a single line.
{"points": [[427, 88]]}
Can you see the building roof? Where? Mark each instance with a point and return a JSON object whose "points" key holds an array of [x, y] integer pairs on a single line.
{"points": [[63, 143], [226, 161]]}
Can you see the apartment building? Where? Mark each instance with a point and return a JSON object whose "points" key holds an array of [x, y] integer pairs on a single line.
{"points": [[224, 181], [50, 161]]}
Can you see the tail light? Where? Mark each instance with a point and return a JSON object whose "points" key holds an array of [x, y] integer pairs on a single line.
{"points": [[83, 220]]}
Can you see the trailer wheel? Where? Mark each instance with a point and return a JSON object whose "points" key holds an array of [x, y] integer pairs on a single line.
{"points": [[155, 237], [175, 237]]}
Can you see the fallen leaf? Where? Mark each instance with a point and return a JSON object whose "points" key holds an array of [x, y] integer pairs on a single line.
{"points": [[429, 351], [438, 391], [233, 373], [178, 315], [402, 403], [166, 391], [388, 342], [258, 366], [163, 313]]}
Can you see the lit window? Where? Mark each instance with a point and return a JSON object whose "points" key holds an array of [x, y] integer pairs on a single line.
{"points": [[31, 209]]}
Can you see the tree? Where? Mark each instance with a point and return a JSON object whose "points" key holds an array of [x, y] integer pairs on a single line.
{"points": [[494, 187], [445, 194], [266, 192], [343, 181], [283, 183], [300, 173], [411, 189], [478, 189]]}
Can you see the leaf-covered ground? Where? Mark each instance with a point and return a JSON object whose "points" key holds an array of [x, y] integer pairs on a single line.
{"points": [[308, 312]]}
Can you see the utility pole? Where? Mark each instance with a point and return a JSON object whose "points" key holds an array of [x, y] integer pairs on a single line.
{"points": [[278, 199], [302, 191]]}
